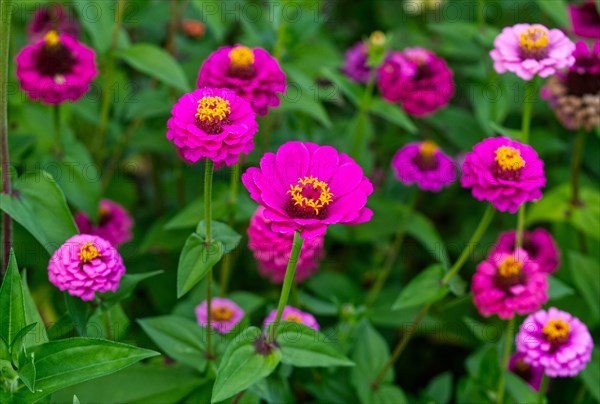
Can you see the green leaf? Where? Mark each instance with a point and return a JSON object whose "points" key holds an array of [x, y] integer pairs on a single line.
{"points": [[59, 364], [423, 288], [304, 101], [156, 62], [180, 338], [11, 301], [79, 311], [98, 19], [127, 284], [302, 346], [584, 272], [242, 366], [196, 259], [423, 229], [591, 374], [351, 90], [558, 289], [32, 315], [439, 388], [39, 205], [386, 393], [17, 344], [27, 372], [557, 10], [519, 389], [211, 14], [392, 113], [221, 232]]}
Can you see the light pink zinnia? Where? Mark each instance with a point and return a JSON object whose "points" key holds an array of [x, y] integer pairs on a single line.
{"points": [[86, 264], [556, 341], [272, 250], [506, 284], [538, 243], [56, 68], [252, 73], [307, 187], [530, 50], [225, 314], [212, 123], [294, 315], [114, 223], [425, 164]]}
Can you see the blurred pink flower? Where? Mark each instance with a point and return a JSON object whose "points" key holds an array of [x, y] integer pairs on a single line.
{"points": [[114, 223], [225, 314], [538, 243], [531, 374], [294, 315], [585, 19]]}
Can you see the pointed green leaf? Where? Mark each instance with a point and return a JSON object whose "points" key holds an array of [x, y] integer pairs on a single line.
{"points": [[591, 374], [519, 389], [423, 288], [127, 285], [32, 315], [221, 232], [386, 393], [392, 113], [27, 371], [196, 259], [11, 301], [17, 344], [584, 271]]}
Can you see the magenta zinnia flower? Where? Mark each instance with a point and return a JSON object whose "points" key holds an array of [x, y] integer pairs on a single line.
{"points": [[225, 314], [307, 187], [506, 284], [417, 79], [529, 50], [425, 164], [585, 19], [538, 243], [355, 64], [56, 68], [505, 172], [252, 73], [86, 264], [272, 250], [531, 374], [114, 223], [294, 315], [556, 341], [52, 17], [212, 123]]}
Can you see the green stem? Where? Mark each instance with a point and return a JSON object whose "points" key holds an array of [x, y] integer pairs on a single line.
{"points": [[287, 283], [208, 178], [480, 13], [578, 150], [544, 389], [107, 323], [508, 340], [233, 196], [57, 129], [362, 115], [520, 226]]}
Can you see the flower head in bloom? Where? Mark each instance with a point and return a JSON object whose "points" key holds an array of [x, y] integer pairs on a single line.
{"points": [[225, 314], [294, 315], [252, 73], [556, 341], [355, 64], [506, 284], [52, 17], [114, 223], [585, 19], [272, 250], [530, 50], [86, 264], [538, 244], [56, 68], [425, 164], [505, 172], [212, 123], [417, 79], [531, 374], [307, 187]]}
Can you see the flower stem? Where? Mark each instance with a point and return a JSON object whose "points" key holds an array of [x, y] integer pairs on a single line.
{"points": [[5, 16], [508, 340], [208, 178], [233, 196], [287, 282], [544, 389], [363, 107], [57, 129], [578, 150]]}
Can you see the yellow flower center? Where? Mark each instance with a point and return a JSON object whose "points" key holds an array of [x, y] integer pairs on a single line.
{"points": [[52, 38], [556, 330], [310, 192], [534, 39], [88, 252], [293, 317], [212, 108], [509, 158], [221, 313], [241, 56], [428, 148], [510, 267]]}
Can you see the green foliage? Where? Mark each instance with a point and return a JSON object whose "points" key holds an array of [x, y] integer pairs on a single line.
{"points": [[425, 288]]}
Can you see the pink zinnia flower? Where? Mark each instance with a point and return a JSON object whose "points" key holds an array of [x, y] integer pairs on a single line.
{"points": [[212, 123], [56, 68], [417, 79], [307, 187], [585, 19], [272, 250], [425, 164], [505, 172], [529, 50], [252, 73], [355, 63], [556, 341], [114, 223], [52, 17], [294, 315], [225, 314], [86, 264], [506, 284], [531, 374], [538, 243]]}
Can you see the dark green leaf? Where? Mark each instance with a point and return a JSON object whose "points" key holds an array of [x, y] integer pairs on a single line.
{"points": [[196, 259], [558, 289], [386, 393], [392, 113], [221, 232], [423, 229], [32, 315], [519, 389], [17, 344], [211, 13], [584, 271], [79, 311], [126, 286], [11, 301], [423, 288], [351, 90], [440, 388], [304, 101], [557, 10], [591, 374]]}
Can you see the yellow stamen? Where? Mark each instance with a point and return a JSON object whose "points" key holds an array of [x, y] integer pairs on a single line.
{"points": [[325, 196], [51, 38], [221, 313], [556, 330], [510, 267], [241, 56], [533, 39], [509, 158], [210, 108], [428, 148], [293, 317], [88, 252]]}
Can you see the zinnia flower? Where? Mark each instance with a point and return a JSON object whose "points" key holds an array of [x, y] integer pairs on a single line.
{"points": [[114, 223], [212, 123], [505, 172], [307, 187], [585, 19], [529, 50], [294, 315], [251, 72], [506, 284], [86, 264], [425, 164], [272, 250], [355, 64], [556, 341], [52, 17], [417, 79], [225, 314], [531, 374], [56, 68], [538, 243]]}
